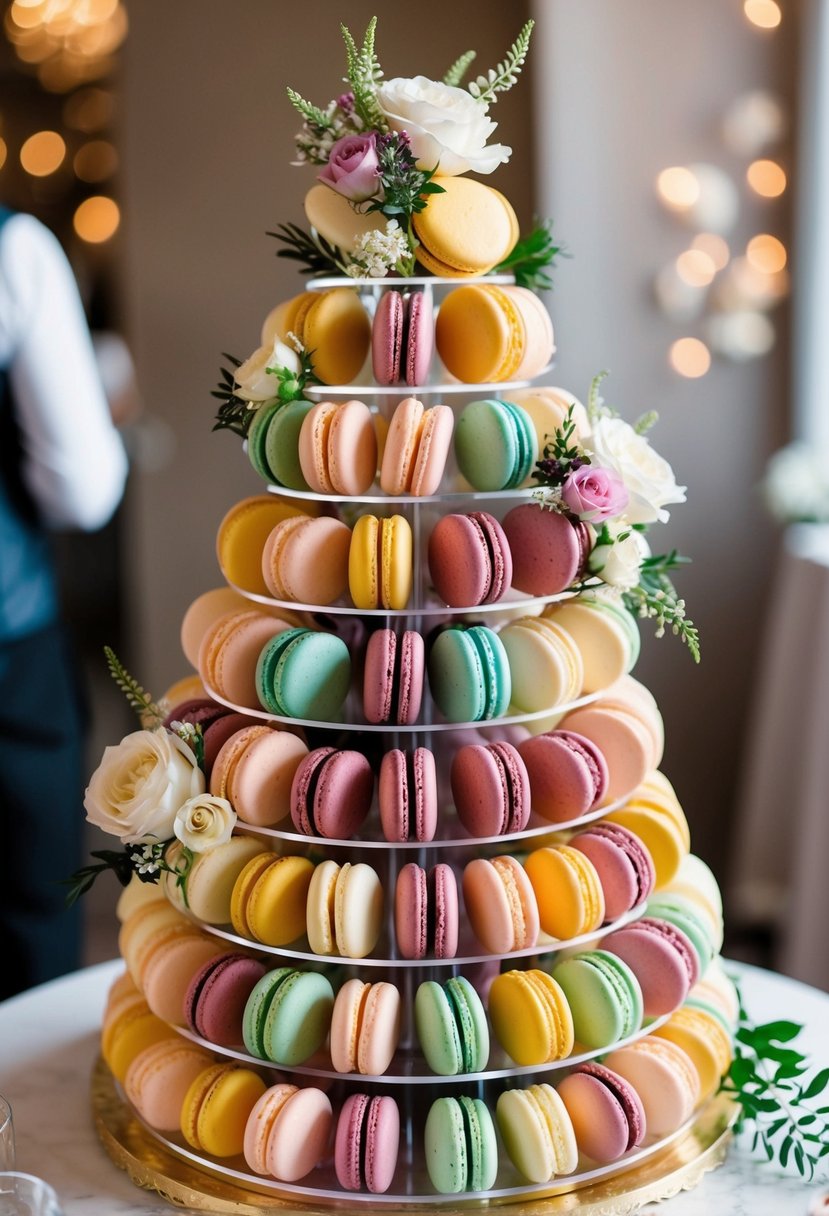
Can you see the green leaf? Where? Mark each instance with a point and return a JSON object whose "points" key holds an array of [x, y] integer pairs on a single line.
{"points": [[150, 715], [501, 79], [817, 1084], [311, 114], [532, 257], [777, 1032], [458, 70], [363, 72], [785, 1150]]}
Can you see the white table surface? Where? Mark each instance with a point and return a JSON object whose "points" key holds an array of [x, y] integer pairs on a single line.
{"points": [[49, 1040]]}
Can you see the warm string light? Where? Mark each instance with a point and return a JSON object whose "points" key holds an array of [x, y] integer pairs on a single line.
{"points": [[69, 41], [42, 153], [96, 219], [729, 296]]}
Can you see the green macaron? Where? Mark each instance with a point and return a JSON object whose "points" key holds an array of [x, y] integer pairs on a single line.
{"points": [[282, 445], [495, 444], [469, 674], [287, 1015], [257, 439], [603, 994], [460, 1144], [452, 1027], [304, 674]]}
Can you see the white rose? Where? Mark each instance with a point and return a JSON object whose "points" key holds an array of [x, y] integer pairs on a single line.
{"points": [[140, 784], [203, 822], [253, 380], [447, 127], [617, 561], [648, 477]]}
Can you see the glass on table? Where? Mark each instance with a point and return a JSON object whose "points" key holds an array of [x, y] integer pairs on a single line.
{"points": [[26, 1195], [6, 1135]]}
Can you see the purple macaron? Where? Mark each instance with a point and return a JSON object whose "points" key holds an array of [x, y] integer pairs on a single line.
{"points": [[217, 995], [568, 774], [331, 793], [490, 788], [408, 795], [426, 915], [402, 338], [624, 865], [606, 1111], [469, 559], [548, 549], [366, 1142], [662, 959]]}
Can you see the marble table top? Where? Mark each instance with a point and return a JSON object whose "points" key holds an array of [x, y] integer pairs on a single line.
{"points": [[49, 1040]]}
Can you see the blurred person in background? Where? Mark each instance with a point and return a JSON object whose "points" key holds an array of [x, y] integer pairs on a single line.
{"points": [[62, 466]]}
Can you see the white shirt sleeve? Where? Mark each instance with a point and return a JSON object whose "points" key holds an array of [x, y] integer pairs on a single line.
{"points": [[74, 464]]}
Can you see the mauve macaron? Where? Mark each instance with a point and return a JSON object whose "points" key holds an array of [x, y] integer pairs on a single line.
{"points": [[662, 959], [624, 865], [606, 1111], [366, 1142], [408, 795], [469, 559], [568, 774], [217, 995], [402, 338], [426, 911], [548, 549], [331, 793], [491, 789], [393, 677]]}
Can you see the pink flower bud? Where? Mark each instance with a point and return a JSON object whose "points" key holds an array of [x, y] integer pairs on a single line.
{"points": [[594, 494], [352, 167]]}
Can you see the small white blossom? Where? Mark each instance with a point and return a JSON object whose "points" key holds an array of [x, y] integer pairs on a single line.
{"points": [[376, 252]]}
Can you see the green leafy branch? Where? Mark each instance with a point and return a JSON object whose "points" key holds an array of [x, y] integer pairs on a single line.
{"points": [[318, 120], [501, 79], [656, 598], [766, 1080], [364, 73], [81, 881], [314, 253], [532, 257], [459, 68], [146, 860], [406, 189], [562, 454], [595, 404], [234, 414], [150, 714]]}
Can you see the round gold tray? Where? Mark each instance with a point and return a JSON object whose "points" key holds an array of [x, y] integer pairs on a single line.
{"points": [[678, 1167]]}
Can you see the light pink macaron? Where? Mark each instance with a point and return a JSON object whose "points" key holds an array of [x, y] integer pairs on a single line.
{"points": [[287, 1131]]}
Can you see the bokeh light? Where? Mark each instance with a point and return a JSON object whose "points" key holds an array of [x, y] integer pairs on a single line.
{"points": [[95, 161], [695, 267], [96, 219], [689, 357], [766, 253], [3, 152], [42, 153], [715, 246], [677, 187], [766, 178], [766, 14]]}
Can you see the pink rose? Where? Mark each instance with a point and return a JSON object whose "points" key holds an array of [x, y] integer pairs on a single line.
{"points": [[352, 167], [594, 494]]}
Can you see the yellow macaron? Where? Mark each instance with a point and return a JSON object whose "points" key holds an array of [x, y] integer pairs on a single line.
{"points": [[334, 328], [275, 905], [479, 334], [466, 230], [216, 1107], [567, 889], [380, 567], [530, 1016], [241, 538], [704, 1040]]}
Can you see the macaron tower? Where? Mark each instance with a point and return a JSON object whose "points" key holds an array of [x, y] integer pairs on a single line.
{"points": [[450, 819]]}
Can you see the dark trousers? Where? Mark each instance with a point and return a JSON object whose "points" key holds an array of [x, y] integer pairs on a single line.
{"points": [[41, 809]]}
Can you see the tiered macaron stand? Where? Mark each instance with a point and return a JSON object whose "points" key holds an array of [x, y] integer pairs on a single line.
{"points": [[167, 1164]]}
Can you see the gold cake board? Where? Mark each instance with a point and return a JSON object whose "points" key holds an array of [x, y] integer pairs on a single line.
{"points": [[150, 1165]]}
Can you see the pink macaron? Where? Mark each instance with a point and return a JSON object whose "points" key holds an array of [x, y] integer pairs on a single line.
{"points": [[426, 915], [568, 774], [491, 789], [158, 1078], [393, 677], [606, 1111], [469, 559], [623, 863], [331, 793], [402, 338], [216, 997], [287, 1131], [416, 448], [408, 795], [500, 904], [662, 959], [548, 549], [255, 769], [366, 1143]]}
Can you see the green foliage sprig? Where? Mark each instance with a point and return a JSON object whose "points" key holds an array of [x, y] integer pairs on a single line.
{"points": [[313, 252], [766, 1079], [501, 79], [454, 77], [656, 598], [234, 413], [562, 454], [364, 74], [147, 860], [318, 120], [532, 258], [150, 714], [406, 189]]}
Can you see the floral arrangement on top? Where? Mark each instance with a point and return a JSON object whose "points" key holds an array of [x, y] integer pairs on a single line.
{"points": [[380, 145]]}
